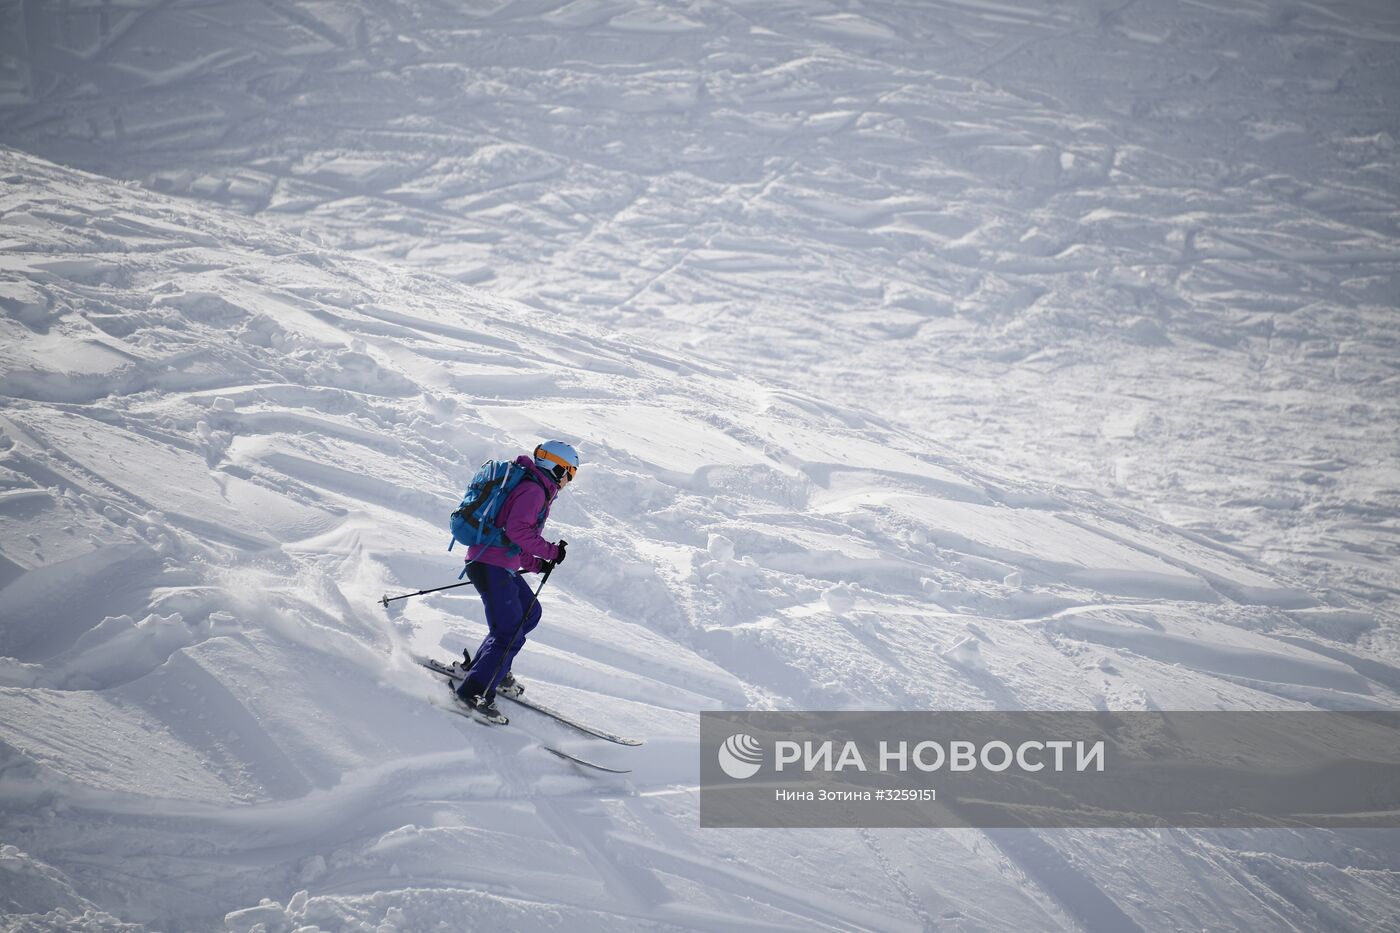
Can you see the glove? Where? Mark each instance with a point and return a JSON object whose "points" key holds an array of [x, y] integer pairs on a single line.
{"points": [[562, 546]]}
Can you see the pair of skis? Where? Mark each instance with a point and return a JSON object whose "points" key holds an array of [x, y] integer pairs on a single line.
{"points": [[446, 671]]}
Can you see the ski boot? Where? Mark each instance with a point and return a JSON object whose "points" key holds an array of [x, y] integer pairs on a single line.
{"points": [[459, 668], [509, 686], [483, 708], [487, 710]]}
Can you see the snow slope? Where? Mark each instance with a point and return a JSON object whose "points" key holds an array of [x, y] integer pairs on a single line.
{"points": [[1147, 249], [221, 444], [955, 354]]}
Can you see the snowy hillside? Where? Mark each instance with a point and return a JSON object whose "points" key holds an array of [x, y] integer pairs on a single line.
{"points": [[1148, 249], [221, 445], [955, 355]]}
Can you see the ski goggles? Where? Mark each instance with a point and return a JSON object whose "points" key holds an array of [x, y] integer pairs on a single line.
{"points": [[569, 468]]}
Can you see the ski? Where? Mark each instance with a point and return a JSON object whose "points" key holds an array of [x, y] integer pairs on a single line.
{"points": [[445, 670], [585, 762], [572, 723], [549, 748]]}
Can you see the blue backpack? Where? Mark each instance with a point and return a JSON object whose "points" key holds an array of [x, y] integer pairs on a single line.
{"points": [[474, 522]]}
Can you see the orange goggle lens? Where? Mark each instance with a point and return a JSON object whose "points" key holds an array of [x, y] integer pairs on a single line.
{"points": [[569, 468]]}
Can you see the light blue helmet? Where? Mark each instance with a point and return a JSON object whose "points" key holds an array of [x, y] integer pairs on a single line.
{"points": [[557, 459]]}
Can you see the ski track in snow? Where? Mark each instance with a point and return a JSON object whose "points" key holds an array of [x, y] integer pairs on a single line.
{"points": [[913, 367]]}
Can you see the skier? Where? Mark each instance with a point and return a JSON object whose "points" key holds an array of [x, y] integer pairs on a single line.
{"points": [[512, 610]]}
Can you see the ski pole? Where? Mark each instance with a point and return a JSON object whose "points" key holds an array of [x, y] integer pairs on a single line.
{"points": [[386, 599]]}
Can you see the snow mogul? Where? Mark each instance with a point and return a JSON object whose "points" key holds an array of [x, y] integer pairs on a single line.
{"points": [[501, 519]]}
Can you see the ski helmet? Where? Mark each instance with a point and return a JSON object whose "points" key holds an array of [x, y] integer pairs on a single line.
{"points": [[557, 459]]}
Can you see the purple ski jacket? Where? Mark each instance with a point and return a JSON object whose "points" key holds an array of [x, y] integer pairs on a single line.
{"points": [[522, 516]]}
